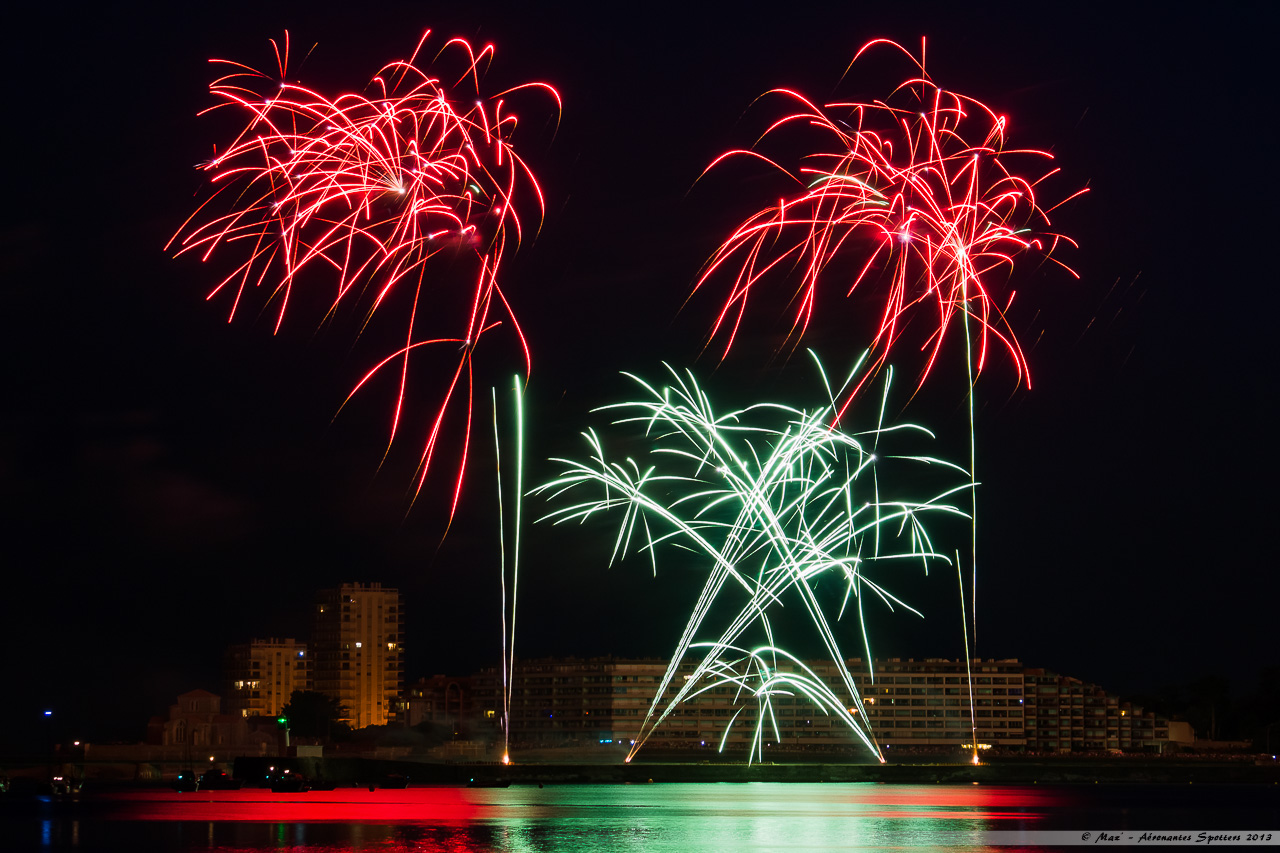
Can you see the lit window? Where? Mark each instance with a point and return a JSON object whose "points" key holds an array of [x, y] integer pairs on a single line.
{"points": [[357, 645]]}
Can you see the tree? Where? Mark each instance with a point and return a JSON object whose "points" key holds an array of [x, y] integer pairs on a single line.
{"points": [[313, 714]]}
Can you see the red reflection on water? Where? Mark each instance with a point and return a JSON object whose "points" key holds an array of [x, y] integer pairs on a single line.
{"points": [[918, 814], [412, 805], [463, 806], [983, 797], [946, 802]]}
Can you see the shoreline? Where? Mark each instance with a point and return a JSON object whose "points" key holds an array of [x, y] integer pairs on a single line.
{"points": [[366, 771], [346, 771]]}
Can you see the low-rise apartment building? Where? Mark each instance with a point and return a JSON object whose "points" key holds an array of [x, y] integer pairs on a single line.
{"points": [[930, 703]]}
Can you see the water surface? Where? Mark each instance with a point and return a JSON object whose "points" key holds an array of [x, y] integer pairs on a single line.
{"points": [[690, 818]]}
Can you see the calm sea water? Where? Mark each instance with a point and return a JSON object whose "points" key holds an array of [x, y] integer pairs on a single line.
{"points": [[689, 818]]}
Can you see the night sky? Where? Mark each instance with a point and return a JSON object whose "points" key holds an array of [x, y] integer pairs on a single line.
{"points": [[175, 484]]}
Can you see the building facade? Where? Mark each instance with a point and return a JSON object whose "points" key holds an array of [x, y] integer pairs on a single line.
{"points": [[934, 704], [1065, 714], [931, 702], [261, 675], [440, 699], [358, 651], [197, 721]]}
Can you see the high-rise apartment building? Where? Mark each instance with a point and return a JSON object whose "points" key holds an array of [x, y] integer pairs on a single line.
{"points": [[259, 676], [358, 651]]}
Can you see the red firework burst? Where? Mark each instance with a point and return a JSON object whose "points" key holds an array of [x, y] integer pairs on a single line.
{"points": [[925, 178], [368, 189]]}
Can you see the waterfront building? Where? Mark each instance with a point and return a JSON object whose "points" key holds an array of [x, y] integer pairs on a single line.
{"points": [[934, 704], [441, 699], [1065, 714], [358, 651], [931, 702], [261, 675], [197, 721], [569, 700]]}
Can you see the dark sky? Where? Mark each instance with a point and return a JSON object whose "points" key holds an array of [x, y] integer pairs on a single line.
{"points": [[174, 484]]}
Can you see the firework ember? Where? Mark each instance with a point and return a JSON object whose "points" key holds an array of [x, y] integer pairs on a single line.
{"points": [[359, 195]]}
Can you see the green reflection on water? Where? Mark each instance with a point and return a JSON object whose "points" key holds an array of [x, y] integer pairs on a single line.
{"points": [[698, 818]]}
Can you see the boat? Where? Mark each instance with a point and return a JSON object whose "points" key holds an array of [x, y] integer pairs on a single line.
{"points": [[288, 783], [218, 780]]}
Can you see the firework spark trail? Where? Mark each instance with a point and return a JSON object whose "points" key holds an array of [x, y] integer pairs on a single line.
{"points": [[918, 190], [756, 672], [509, 616], [366, 190], [774, 497], [502, 580]]}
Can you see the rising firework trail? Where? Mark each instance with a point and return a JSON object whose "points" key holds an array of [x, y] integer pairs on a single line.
{"points": [[509, 613], [774, 499], [410, 192]]}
